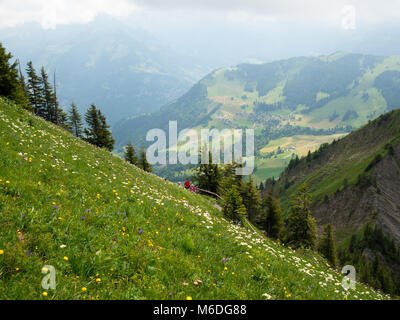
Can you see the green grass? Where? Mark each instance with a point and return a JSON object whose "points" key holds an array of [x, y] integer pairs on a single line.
{"points": [[350, 159], [78, 208]]}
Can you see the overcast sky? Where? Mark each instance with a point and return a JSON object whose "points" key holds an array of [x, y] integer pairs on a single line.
{"points": [[50, 13]]}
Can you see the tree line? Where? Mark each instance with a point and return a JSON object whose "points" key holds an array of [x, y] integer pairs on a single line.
{"points": [[38, 95]]}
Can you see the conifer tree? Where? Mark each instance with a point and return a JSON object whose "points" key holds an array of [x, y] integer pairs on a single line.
{"points": [[301, 229], [97, 132], [106, 139], [251, 199], [207, 175], [22, 82], [34, 90], [92, 132], [271, 217], [327, 245], [47, 94], [227, 178], [142, 161], [75, 121], [308, 158], [10, 85], [233, 205], [62, 119], [130, 154]]}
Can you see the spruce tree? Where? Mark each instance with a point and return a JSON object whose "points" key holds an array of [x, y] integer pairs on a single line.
{"points": [[47, 94], [97, 132], [10, 85], [207, 175], [142, 161], [327, 245], [130, 154], [34, 91], [75, 121], [301, 229], [251, 199], [23, 83], [233, 205], [271, 217], [106, 139]]}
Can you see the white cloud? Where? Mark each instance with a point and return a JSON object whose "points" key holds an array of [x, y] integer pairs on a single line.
{"points": [[49, 13], [54, 12]]}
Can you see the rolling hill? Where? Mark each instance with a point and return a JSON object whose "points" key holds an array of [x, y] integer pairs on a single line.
{"points": [[113, 231], [300, 103]]}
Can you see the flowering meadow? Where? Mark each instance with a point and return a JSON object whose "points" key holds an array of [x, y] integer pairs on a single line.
{"points": [[113, 231]]}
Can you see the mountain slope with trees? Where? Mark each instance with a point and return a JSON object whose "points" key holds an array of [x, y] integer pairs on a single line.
{"points": [[293, 105], [113, 231], [354, 184]]}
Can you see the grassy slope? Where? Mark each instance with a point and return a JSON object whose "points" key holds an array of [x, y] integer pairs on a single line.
{"points": [[56, 190], [346, 159]]}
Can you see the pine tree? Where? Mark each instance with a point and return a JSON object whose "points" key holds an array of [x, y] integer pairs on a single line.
{"points": [[75, 121], [10, 83], [142, 161], [34, 91], [106, 139], [271, 217], [97, 132], [23, 83], [251, 199], [327, 245], [308, 158], [207, 176], [233, 205], [130, 154], [301, 230], [62, 119], [47, 94]]}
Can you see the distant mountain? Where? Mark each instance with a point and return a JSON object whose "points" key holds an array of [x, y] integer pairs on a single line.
{"points": [[355, 187], [123, 70], [294, 105]]}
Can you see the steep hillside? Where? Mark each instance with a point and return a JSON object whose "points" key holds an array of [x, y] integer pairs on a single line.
{"points": [[113, 231], [355, 185], [354, 178], [314, 99]]}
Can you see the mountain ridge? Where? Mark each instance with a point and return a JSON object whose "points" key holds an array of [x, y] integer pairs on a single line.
{"points": [[314, 96]]}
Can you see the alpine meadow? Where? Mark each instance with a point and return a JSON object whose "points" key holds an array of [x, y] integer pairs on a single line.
{"points": [[221, 152]]}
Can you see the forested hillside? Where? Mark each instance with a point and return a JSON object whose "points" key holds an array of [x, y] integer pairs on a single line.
{"points": [[355, 183]]}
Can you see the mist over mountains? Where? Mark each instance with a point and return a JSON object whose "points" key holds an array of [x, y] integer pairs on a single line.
{"points": [[134, 66]]}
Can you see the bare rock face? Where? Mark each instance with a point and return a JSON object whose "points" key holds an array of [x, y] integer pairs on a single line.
{"points": [[379, 202]]}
